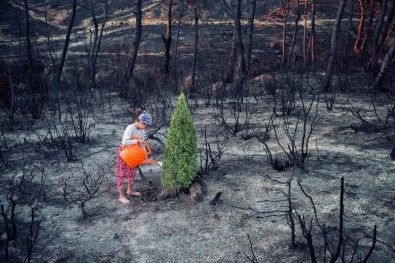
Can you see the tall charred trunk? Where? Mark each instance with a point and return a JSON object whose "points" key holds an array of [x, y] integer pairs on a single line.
{"points": [[167, 38], [195, 51], [137, 38], [251, 17], [332, 58], [66, 42]]}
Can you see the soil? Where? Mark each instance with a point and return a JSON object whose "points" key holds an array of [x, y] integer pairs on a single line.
{"points": [[247, 219], [248, 222]]}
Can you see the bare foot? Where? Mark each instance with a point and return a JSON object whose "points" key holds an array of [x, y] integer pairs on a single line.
{"points": [[124, 200], [134, 193]]}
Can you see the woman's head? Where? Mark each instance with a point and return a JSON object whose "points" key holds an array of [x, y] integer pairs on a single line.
{"points": [[143, 118]]}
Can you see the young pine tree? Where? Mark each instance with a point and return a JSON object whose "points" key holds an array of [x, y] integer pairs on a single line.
{"points": [[180, 163]]}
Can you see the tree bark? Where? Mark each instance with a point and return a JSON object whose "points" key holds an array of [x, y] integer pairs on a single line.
{"points": [[167, 38], [176, 48], [92, 61], [251, 17], [332, 58], [375, 39], [295, 34], [305, 32], [137, 38], [284, 38], [312, 38], [357, 43], [368, 32], [28, 47], [349, 29], [385, 65], [386, 28], [241, 69], [66, 42], [340, 236], [195, 51]]}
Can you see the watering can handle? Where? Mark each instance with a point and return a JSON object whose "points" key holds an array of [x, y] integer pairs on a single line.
{"points": [[148, 149]]}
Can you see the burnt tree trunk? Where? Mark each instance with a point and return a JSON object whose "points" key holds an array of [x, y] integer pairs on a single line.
{"points": [[195, 50], [167, 38], [175, 76], [385, 65], [340, 235], [250, 32], [28, 47], [295, 34], [137, 38], [305, 32], [375, 39], [387, 25], [312, 37], [332, 58], [67, 40], [368, 32], [240, 69], [94, 40], [357, 43], [284, 38]]}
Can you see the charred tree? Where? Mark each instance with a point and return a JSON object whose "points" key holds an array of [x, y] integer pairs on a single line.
{"points": [[375, 39], [312, 37], [385, 65], [250, 32], [95, 42], [284, 38], [368, 33], [195, 50], [362, 18], [305, 32], [295, 34], [387, 25], [137, 38], [240, 73], [28, 47], [67, 40], [332, 58], [167, 39]]}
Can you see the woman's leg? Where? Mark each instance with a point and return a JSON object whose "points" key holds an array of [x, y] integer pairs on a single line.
{"points": [[121, 171], [131, 178]]}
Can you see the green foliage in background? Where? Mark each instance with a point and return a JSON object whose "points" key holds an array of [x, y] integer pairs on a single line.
{"points": [[180, 163]]}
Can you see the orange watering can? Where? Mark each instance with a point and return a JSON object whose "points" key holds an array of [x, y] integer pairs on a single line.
{"points": [[134, 154]]}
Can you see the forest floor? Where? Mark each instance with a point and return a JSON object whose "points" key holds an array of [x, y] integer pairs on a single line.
{"points": [[248, 220]]}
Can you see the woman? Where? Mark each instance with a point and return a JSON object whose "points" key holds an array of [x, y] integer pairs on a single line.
{"points": [[136, 129]]}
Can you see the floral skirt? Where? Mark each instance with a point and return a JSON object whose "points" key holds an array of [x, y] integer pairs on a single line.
{"points": [[123, 171]]}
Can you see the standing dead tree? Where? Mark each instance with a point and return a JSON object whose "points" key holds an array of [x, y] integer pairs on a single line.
{"points": [[209, 157], [81, 187], [250, 33], [234, 119], [23, 194], [335, 249], [322, 242], [96, 40], [376, 37], [331, 63], [137, 38], [67, 40], [297, 147], [385, 65], [236, 69], [295, 33], [167, 39]]}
